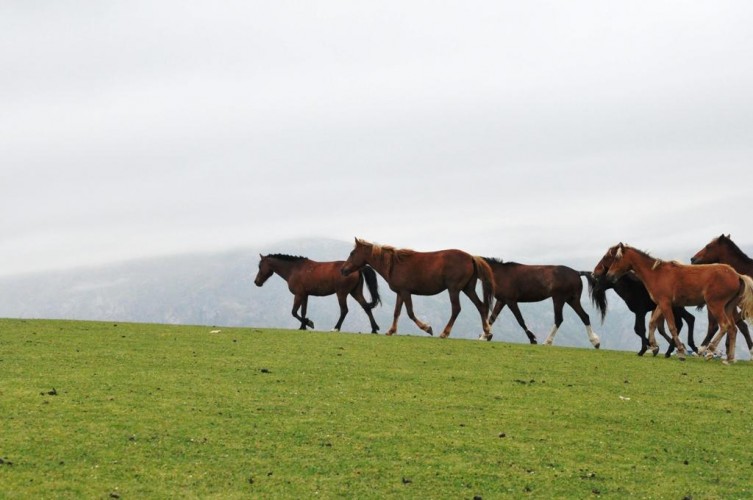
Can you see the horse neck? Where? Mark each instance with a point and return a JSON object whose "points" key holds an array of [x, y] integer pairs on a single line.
{"points": [[381, 263], [738, 260], [642, 264], [285, 268]]}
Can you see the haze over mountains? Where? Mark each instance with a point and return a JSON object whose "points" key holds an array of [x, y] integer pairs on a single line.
{"points": [[217, 289]]}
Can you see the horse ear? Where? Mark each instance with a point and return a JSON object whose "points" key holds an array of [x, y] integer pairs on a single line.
{"points": [[261, 256], [619, 251], [728, 237]]}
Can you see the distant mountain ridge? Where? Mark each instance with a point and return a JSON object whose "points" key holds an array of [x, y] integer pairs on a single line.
{"points": [[217, 289]]}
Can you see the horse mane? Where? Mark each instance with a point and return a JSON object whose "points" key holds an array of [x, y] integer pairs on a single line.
{"points": [[733, 246], [387, 254], [289, 258], [657, 262], [493, 261]]}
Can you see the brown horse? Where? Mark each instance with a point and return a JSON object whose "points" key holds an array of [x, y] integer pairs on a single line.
{"points": [[674, 284], [308, 277], [723, 250], [636, 297], [516, 283], [408, 272]]}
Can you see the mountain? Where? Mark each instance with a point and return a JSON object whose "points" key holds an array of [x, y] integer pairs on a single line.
{"points": [[217, 289]]}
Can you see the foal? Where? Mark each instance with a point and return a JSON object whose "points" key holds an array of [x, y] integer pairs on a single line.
{"points": [[673, 284]]}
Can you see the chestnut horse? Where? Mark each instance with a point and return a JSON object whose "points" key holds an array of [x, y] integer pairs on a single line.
{"points": [[723, 250], [516, 283], [408, 272], [631, 290], [308, 277], [674, 284]]}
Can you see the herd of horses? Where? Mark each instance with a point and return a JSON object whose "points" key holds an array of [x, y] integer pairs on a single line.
{"points": [[719, 277]]}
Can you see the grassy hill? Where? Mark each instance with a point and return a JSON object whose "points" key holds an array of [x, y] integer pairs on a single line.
{"points": [[102, 410], [218, 289]]}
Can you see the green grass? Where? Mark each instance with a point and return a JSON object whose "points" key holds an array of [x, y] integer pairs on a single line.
{"points": [[165, 411]]}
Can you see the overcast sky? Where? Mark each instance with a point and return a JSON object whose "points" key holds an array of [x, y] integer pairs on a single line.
{"points": [[532, 131]]}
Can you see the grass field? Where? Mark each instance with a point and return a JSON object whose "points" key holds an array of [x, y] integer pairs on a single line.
{"points": [[103, 410]]}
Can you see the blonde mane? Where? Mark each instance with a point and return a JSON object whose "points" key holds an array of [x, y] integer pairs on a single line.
{"points": [[389, 255]]}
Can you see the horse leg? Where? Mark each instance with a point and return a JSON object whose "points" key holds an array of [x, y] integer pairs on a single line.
{"points": [[298, 301], [710, 331], [578, 308], [640, 329], [358, 295], [409, 308], [470, 291], [558, 305], [663, 333], [398, 308], [500, 304], [519, 317], [656, 318], [455, 303], [690, 320], [342, 300], [666, 308], [304, 306], [742, 326]]}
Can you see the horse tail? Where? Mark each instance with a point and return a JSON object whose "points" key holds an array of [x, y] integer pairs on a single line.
{"points": [[597, 293], [486, 275], [746, 298], [369, 276]]}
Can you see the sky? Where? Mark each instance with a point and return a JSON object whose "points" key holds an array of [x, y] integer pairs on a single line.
{"points": [[534, 131]]}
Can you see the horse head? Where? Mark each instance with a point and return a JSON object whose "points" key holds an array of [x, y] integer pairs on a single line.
{"points": [[712, 252], [265, 270], [357, 258], [605, 264]]}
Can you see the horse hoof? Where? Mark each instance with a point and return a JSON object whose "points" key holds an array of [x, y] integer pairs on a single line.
{"points": [[708, 355], [533, 341], [488, 337], [443, 335], [430, 331], [596, 346], [655, 350]]}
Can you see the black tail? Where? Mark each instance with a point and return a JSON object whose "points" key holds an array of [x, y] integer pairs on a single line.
{"points": [[369, 276], [597, 292]]}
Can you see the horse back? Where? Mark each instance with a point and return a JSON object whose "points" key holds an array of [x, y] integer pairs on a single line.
{"points": [[322, 278], [429, 273], [533, 283]]}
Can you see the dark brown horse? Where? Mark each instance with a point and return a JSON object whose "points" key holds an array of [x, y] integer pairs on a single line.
{"points": [[308, 277], [516, 283], [724, 251], [670, 284], [636, 297], [408, 272]]}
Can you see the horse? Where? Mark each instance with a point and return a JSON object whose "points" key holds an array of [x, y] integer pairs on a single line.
{"points": [[723, 250], [631, 290], [408, 273], [516, 283], [307, 277], [670, 284]]}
